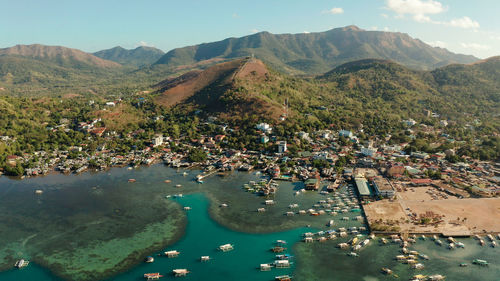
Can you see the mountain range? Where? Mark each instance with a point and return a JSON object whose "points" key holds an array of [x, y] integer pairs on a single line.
{"points": [[314, 53], [138, 57]]}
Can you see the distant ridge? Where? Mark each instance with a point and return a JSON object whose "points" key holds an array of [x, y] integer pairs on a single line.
{"points": [[59, 55], [314, 53], [139, 56]]}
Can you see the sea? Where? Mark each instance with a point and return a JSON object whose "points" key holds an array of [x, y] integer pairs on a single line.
{"points": [[101, 226]]}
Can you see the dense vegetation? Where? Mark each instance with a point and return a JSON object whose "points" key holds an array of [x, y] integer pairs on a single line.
{"points": [[140, 56]]}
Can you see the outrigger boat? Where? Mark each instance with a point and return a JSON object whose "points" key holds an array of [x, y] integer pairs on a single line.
{"points": [[21, 263], [180, 272], [480, 262], [152, 276], [283, 278], [226, 247], [278, 249], [149, 259], [386, 270]]}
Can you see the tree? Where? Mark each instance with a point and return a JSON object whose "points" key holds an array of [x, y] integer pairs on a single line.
{"points": [[197, 155]]}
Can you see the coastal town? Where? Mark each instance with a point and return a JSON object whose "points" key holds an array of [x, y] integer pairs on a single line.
{"points": [[397, 185]]}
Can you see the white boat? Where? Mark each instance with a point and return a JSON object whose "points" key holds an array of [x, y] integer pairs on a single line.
{"points": [[418, 266], [21, 263], [187, 208], [180, 272], [205, 258], [436, 277], [226, 247], [172, 254]]}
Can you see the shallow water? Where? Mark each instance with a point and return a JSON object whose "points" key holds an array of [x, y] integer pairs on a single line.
{"points": [[94, 225]]}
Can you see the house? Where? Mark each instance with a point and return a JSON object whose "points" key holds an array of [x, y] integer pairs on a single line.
{"points": [[282, 147], [98, 131], [12, 160], [157, 140], [443, 123], [410, 122], [345, 133], [368, 151], [110, 103], [264, 127], [264, 138]]}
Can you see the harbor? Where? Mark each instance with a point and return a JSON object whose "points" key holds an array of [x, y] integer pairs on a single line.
{"points": [[323, 220]]}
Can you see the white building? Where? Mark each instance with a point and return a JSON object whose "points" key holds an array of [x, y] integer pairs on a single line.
{"points": [[264, 127], [410, 122], [443, 123], [110, 103], [157, 140], [282, 147], [345, 133]]}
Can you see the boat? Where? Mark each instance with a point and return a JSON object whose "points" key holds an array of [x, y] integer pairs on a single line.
{"points": [[131, 180], [167, 181], [226, 247], [283, 278], [185, 174], [419, 277], [463, 264], [383, 240], [386, 270], [425, 257], [265, 267], [187, 208], [490, 237], [204, 258], [493, 244], [439, 242], [172, 254], [282, 263], [498, 236], [481, 242], [284, 257], [152, 276], [21, 263], [178, 185], [38, 192], [422, 237], [480, 262], [149, 259], [180, 272], [278, 249], [436, 277], [281, 242], [451, 246], [460, 244], [353, 254], [418, 266]]}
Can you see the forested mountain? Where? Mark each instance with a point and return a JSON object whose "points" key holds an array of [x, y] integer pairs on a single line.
{"points": [[378, 91], [61, 56], [314, 53], [139, 56]]}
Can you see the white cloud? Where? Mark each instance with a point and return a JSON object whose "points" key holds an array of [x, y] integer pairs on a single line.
{"points": [[464, 22], [143, 44], [475, 46], [439, 44], [386, 29], [255, 30], [384, 16], [235, 15], [306, 32], [419, 9], [373, 28], [334, 11]]}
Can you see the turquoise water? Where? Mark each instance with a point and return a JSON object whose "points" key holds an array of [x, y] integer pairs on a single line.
{"points": [[202, 239], [100, 225]]}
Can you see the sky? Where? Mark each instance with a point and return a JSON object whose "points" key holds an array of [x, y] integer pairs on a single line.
{"points": [[461, 26]]}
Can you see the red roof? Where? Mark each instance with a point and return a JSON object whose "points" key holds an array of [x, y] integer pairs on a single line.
{"points": [[421, 181]]}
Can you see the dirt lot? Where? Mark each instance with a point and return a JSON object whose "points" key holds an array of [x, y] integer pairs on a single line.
{"points": [[481, 215], [423, 193]]}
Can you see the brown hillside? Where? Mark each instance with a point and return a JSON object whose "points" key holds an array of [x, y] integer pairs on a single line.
{"points": [[56, 52], [220, 88]]}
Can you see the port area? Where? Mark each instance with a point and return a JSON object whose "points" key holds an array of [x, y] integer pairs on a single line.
{"points": [[422, 210]]}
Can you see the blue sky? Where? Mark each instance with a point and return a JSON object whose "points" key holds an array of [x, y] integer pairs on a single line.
{"points": [[469, 27]]}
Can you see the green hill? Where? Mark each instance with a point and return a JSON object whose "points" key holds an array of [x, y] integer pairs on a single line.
{"points": [[139, 56], [315, 53]]}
